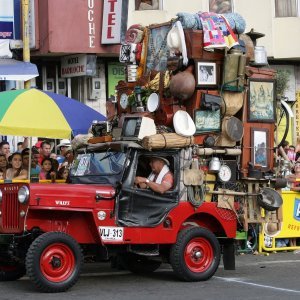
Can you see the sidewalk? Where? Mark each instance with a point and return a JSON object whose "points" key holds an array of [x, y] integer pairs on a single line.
{"points": [[267, 257]]}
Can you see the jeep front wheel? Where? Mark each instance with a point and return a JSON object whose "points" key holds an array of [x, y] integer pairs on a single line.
{"points": [[54, 261], [196, 254]]}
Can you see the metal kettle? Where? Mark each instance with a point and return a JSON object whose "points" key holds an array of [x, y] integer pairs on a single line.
{"points": [[214, 165]]}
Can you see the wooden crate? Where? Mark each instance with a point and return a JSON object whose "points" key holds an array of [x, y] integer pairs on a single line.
{"points": [[194, 46]]}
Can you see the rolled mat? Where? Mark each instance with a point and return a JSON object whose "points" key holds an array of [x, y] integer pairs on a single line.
{"points": [[166, 140]]}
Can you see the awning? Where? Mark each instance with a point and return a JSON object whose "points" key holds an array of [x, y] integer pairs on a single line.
{"points": [[11, 69]]}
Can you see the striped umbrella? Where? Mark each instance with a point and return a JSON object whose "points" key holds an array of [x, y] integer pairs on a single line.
{"points": [[33, 112]]}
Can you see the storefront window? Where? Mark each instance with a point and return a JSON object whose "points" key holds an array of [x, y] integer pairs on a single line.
{"points": [[148, 4], [221, 6], [286, 8]]}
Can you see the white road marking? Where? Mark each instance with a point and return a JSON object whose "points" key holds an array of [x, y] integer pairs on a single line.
{"points": [[258, 285]]}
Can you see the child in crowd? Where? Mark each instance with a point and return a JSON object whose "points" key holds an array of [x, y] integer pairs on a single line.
{"points": [[47, 170], [291, 153]]}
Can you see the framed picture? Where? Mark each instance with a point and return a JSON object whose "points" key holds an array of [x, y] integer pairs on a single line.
{"points": [[261, 101], [221, 6], [260, 147], [206, 74], [148, 4], [157, 49], [207, 121]]}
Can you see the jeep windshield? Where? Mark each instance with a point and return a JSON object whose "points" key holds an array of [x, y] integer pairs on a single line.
{"points": [[98, 167]]}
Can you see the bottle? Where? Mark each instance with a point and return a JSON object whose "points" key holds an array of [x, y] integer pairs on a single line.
{"points": [[260, 55]]}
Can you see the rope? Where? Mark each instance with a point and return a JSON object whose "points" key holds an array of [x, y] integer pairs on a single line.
{"points": [[199, 192]]}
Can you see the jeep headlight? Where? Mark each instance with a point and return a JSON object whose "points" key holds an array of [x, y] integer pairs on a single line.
{"points": [[23, 194]]}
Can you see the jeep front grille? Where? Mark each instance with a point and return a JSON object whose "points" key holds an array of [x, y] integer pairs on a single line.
{"points": [[10, 208]]}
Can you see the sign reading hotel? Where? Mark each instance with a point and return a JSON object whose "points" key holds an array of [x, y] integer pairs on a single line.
{"points": [[111, 23], [78, 65]]}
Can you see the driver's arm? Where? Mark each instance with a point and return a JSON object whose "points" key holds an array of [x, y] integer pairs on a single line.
{"points": [[159, 187]]}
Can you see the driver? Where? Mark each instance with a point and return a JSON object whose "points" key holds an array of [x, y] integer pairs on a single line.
{"points": [[160, 180]]}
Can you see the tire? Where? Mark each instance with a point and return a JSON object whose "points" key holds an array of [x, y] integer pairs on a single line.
{"points": [[11, 271], [139, 264], [283, 117], [54, 261], [196, 254]]}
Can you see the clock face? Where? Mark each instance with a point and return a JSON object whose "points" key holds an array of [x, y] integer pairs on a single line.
{"points": [[124, 101], [224, 173]]}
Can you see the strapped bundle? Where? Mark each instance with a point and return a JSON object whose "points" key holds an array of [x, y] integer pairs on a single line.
{"points": [[166, 140]]}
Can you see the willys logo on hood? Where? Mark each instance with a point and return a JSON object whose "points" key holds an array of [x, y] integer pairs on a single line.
{"points": [[297, 209]]}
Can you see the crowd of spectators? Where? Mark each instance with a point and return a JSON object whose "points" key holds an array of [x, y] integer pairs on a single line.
{"points": [[45, 163]]}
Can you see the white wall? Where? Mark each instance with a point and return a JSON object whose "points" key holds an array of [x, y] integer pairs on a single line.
{"points": [[281, 34], [100, 104]]}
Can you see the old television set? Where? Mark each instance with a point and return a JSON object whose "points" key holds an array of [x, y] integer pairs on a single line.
{"points": [[136, 127], [131, 128]]}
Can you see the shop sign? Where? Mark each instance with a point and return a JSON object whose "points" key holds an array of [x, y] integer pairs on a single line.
{"points": [[7, 19], [116, 72], [297, 209], [111, 23], [78, 65]]}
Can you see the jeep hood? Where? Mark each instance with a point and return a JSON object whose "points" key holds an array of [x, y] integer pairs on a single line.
{"points": [[70, 195]]}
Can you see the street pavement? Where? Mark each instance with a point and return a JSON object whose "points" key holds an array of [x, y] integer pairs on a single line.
{"points": [[275, 276]]}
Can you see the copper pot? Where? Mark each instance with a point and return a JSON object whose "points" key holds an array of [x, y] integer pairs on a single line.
{"points": [[182, 85]]}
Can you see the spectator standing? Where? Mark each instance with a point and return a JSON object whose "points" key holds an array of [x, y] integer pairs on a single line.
{"points": [[3, 165], [62, 148], [297, 148], [16, 171], [69, 157], [63, 173], [34, 169], [45, 151], [5, 149], [22, 145], [286, 146]]}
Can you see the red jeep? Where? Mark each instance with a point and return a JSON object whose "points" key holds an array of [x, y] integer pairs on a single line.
{"points": [[47, 230]]}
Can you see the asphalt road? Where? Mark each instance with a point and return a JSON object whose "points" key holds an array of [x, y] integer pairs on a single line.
{"points": [[256, 277]]}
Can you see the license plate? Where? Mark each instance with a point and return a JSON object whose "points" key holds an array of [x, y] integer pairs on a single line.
{"points": [[111, 233]]}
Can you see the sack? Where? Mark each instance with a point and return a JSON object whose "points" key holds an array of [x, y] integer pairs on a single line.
{"points": [[226, 201], [210, 102], [193, 177]]}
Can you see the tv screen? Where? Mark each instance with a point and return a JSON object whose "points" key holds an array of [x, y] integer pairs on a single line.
{"points": [[131, 127]]}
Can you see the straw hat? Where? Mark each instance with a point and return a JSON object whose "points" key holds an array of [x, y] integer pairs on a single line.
{"points": [[64, 142], [161, 158], [174, 40]]}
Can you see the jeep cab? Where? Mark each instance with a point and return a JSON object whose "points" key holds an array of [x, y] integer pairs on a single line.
{"points": [[48, 229]]}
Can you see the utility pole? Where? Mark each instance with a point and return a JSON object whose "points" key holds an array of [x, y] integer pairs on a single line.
{"points": [[26, 49]]}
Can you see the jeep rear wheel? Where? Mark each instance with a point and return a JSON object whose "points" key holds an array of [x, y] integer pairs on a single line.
{"points": [[54, 261], [139, 264], [11, 271], [196, 254]]}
